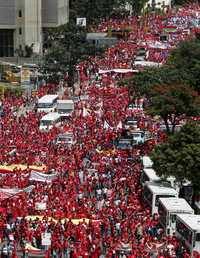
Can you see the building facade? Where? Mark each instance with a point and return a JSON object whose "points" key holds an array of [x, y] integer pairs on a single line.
{"points": [[22, 23]]}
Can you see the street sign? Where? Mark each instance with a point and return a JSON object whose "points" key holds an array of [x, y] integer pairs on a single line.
{"points": [[81, 22]]}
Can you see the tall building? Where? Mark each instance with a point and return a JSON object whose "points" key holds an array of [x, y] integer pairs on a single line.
{"points": [[23, 21]]}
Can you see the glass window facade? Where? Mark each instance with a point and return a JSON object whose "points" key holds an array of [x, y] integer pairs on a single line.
{"points": [[6, 43]]}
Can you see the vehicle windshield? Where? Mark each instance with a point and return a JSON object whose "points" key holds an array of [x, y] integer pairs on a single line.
{"points": [[65, 111], [137, 135], [131, 122], [64, 138], [45, 122], [44, 105]]}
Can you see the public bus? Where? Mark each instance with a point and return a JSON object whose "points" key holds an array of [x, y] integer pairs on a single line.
{"points": [[153, 191], [49, 120], [168, 210], [149, 175], [65, 107], [47, 103], [184, 188], [147, 162], [188, 230]]}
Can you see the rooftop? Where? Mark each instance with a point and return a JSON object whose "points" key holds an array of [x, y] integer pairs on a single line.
{"points": [[191, 220], [176, 205], [161, 189]]}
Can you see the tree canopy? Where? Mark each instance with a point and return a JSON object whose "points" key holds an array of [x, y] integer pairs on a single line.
{"points": [[93, 10], [68, 46], [180, 156], [173, 102], [186, 60]]}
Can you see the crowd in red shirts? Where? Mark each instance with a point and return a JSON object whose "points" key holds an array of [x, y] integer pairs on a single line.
{"points": [[95, 182]]}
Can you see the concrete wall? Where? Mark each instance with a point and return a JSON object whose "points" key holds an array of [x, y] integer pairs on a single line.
{"points": [[49, 13], [36, 14], [54, 12], [7, 13], [28, 29], [33, 24], [63, 11]]}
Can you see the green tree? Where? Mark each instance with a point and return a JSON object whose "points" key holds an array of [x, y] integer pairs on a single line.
{"points": [[143, 82], [173, 102], [93, 10], [180, 156], [68, 47], [186, 59]]}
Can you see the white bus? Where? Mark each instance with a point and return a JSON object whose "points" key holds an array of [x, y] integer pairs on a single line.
{"points": [[168, 209], [65, 107], [188, 230], [147, 162], [47, 103], [184, 188], [49, 120], [153, 191], [149, 175]]}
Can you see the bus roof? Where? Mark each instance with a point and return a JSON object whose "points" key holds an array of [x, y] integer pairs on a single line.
{"points": [[147, 162], [47, 98], [151, 173], [191, 220], [176, 205], [50, 116], [160, 189], [65, 104], [65, 101]]}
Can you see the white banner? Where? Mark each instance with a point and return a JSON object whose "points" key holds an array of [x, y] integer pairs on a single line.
{"points": [[118, 71], [14, 191], [41, 177]]}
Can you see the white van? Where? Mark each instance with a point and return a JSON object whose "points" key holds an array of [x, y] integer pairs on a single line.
{"points": [[168, 209], [153, 191], [47, 103], [65, 107], [188, 230], [49, 120]]}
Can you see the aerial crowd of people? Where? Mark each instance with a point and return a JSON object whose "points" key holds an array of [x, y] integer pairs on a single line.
{"points": [[93, 206]]}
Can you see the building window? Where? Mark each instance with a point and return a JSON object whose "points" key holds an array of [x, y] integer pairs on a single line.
{"points": [[20, 31], [6, 43], [20, 13]]}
